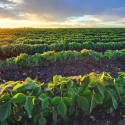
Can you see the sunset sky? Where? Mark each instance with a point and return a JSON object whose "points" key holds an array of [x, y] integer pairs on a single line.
{"points": [[62, 13]]}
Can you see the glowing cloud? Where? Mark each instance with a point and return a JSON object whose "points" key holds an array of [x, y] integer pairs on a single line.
{"points": [[62, 13]]}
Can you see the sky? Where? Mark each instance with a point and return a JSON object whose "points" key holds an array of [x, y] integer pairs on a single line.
{"points": [[62, 13]]}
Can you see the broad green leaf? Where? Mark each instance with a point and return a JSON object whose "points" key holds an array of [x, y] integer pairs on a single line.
{"points": [[29, 105], [29, 86], [51, 85], [5, 111], [64, 79], [55, 100], [119, 90], [45, 103], [24, 86], [62, 109], [4, 88], [101, 90], [98, 98], [73, 100], [36, 90], [83, 103], [19, 98], [66, 100], [80, 90], [19, 87], [92, 103], [69, 84], [85, 81], [87, 93], [71, 91], [56, 79], [43, 96], [92, 83], [62, 86], [42, 120], [5, 97], [123, 98], [102, 76], [114, 101]]}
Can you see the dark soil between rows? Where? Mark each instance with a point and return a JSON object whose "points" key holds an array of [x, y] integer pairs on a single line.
{"points": [[73, 68]]}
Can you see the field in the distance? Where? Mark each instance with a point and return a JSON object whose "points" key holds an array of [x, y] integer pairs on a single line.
{"points": [[82, 56], [31, 41]]}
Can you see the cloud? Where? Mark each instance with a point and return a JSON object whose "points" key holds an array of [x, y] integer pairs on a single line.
{"points": [[65, 12], [60, 10]]}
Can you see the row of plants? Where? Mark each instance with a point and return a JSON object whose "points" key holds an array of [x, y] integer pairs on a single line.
{"points": [[63, 98], [55, 58], [7, 51], [93, 35]]}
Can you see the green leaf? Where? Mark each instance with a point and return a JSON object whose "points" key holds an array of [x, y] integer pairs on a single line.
{"points": [[24, 86], [29, 105], [5, 97], [43, 96], [71, 91], [36, 90], [62, 86], [51, 86], [69, 84], [88, 94], [29, 86], [5, 111], [119, 90], [5, 87], [62, 109], [18, 87], [42, 120], [98, 98], [56, 100], [85, 81], [56, 79], [114, 101], [101, 90], [92, 83], [66, 100], [45, 103], [83, 103], [19, 98], [92, 103], [80, 90]]}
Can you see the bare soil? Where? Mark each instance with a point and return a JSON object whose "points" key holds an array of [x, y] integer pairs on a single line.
{"points": [[73, 68]]}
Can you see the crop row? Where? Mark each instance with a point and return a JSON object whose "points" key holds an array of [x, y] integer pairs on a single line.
{"points": [[7, 51], [51, 57], [59, 100], [34, 36]]}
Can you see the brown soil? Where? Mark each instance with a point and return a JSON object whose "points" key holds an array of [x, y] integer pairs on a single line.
{"points": [[74, 68]]}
